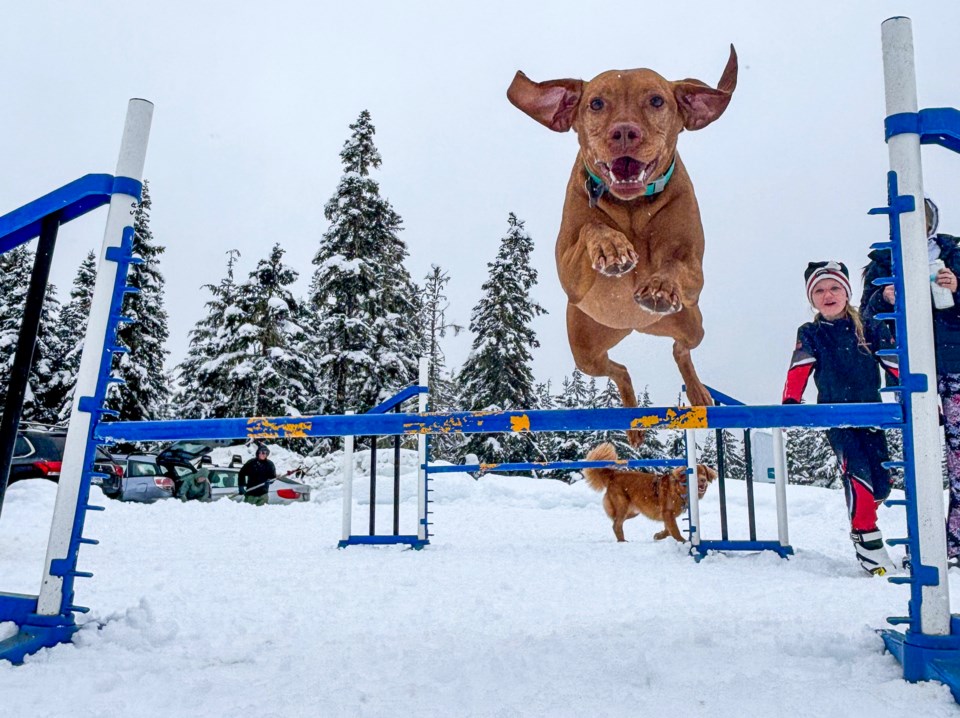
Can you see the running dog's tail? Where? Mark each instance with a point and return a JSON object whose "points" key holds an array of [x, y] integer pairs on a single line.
{"points": [[599, 479]]}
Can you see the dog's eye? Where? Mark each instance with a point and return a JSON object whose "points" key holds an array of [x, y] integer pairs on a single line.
{"points": [[656, 101], [596, 104]]}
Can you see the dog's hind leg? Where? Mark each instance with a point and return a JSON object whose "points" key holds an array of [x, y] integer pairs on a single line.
{"points": [[590, 342], [686, 328], [616, 504]]}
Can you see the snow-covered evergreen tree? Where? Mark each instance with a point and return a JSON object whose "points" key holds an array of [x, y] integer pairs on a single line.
{"points": [[434, 323], [144, 392], [73, 327], [497, 374], [270, 367], [366, 307], [434, 327], [708, 452], [810, 460], [206, 387], [40, 401]]}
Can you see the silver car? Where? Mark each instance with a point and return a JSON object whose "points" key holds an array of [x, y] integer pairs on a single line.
{"points": [[143, 480], [282, 490]]}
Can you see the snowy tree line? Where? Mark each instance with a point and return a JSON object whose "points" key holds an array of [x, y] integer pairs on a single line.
{"points": [[350, 343]]}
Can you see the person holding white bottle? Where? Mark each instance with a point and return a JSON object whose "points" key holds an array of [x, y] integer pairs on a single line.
{"points": [[944, 255]]}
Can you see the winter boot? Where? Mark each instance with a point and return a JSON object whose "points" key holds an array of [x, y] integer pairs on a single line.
{"points": [[871, 553]]}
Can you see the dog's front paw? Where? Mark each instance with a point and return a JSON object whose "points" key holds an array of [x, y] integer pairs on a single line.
{"points": [[612, 255], [659, 295]]}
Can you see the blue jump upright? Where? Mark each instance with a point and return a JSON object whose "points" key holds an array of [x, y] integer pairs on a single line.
{"points": [[48, 618], [930, 646]]}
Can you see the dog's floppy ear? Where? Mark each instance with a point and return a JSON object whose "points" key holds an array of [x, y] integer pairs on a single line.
{"points": [[552, 103], [699, 103]]}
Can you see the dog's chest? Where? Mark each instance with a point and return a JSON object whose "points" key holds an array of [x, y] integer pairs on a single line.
{"points": [[610, 302]]}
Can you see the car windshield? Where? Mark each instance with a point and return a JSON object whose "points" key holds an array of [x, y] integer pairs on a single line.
{"points": [[142, 468]]}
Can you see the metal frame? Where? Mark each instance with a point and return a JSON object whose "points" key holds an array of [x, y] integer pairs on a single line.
{"points": [[701, 547], [420, 539]]}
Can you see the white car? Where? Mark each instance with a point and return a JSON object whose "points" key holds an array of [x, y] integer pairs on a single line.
{"points": [[282, 490]]}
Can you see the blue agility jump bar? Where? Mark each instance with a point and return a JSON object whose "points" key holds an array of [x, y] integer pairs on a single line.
{"points": [[566, 465], [885, 415]]}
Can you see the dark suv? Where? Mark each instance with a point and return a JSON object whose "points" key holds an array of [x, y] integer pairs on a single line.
{"points": [[38, 454]]}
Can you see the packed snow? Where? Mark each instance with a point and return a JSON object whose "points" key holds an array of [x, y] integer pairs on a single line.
{"points": [[522, 605]]}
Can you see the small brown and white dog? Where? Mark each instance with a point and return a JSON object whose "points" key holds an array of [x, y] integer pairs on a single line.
{"points": [[631, 493]]}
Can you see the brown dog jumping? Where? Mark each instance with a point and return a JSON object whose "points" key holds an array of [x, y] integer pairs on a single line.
{"points": [[631, 493], [630, 248]]}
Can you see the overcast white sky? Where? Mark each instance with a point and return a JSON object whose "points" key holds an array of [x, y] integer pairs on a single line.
{"points": [[253, 103]]}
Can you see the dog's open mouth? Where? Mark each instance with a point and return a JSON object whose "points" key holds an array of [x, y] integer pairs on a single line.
{"points": [[626, 176]]}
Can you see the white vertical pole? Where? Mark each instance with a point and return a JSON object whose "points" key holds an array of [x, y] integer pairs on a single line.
{"points": [[347, 485], [133, 151], [693, 494], [904, 150], [424, 380], [780, 482]]}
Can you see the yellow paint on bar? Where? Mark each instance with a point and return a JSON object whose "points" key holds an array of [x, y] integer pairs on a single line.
{"points": [[520, 423], [694, 417], [263, 428]]}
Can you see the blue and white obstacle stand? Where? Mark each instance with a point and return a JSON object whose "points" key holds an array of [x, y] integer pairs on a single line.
{"points": [[930, 647], [48, 619]]}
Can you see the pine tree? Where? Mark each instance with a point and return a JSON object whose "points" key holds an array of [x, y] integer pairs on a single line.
{"points": [[810, 460], [497, 374], [40, 403], [434, 322], [733, 456], [204, 375], [366, 305], [434, 327], [73, 326], [144, 392], [708, 452], [270, 370]]}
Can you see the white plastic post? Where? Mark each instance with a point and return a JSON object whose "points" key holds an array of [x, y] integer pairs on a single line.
{"points": [[347, 486], [904, 150], [780, 483], [424, 380], [693, 493], [133, 151]]}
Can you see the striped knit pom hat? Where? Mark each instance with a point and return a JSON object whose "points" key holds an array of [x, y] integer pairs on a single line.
{"points": [[816, 272]]}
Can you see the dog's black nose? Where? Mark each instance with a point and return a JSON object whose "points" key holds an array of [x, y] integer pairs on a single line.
{"points": [[626, 134]]}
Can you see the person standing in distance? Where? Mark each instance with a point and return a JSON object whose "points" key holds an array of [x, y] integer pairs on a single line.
{"points": [[256, 476]]}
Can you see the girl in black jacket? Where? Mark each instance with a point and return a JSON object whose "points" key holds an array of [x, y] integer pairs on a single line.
{"points": [[839, 348], [946, 333]]}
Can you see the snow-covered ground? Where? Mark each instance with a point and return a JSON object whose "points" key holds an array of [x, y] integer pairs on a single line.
{"points": [[523, 605]]}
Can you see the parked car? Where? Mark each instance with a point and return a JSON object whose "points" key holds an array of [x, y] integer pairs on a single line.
{"points": [[282, 490], [150, 477], [143, 480], [38, 454]]}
